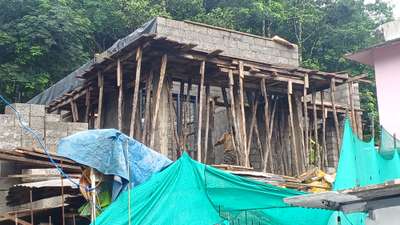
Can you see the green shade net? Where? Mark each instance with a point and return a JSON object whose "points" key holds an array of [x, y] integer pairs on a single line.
{"points": [[360, 165], [188, 192]]}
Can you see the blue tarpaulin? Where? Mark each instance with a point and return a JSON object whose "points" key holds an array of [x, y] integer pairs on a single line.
{"points": [[111, 152]]}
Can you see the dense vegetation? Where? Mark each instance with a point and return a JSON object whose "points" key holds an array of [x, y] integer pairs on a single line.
{"points": [[42, 40]]}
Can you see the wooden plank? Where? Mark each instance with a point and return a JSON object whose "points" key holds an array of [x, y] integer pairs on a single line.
{"points": [[200, 112], [120, 93], [316, 153], [149, 85], [207, 123], [352, 111], [335, 117], [100, 77], [136, 91], [163, 68], [295, 161], [242, 123]]}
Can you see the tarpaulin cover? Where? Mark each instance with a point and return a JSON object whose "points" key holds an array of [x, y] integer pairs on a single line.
{"points": [[188, 192], [360, 164], [111, 152], [72, 82]]}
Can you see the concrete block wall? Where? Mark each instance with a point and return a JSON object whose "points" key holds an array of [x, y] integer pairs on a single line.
{"points": [[49, 126], [232, 43]]}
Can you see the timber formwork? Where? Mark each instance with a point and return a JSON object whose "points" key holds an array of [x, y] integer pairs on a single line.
{"points": [[176, 94]]}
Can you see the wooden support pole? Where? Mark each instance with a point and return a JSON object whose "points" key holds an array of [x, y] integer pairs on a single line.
{"points": [[74, 111], [88, 105], [253, 119], [324, 150], [271, 128], [231, 122], [335, 116], [200, 112], [267, 123], [31, 205], [295, 162], [180, 106], [136, 91], [353, 114], [172, 116], [207, 124], [149, 85], [236, 133], [120, 93], [243, 115], [306, 120], [186, 114], [157, 97], [316, 153]]}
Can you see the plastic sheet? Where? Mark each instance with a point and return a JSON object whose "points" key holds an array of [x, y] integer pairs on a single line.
{"points": [[113, 153]]}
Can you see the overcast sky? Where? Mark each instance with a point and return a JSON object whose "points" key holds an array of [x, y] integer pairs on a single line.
{"points": [[395, 3]]}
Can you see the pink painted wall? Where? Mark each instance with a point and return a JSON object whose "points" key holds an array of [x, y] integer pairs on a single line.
{"points": [[387, 74]]}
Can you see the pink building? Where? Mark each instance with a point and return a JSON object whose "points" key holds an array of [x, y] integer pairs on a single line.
{"points": [[385, 59]]}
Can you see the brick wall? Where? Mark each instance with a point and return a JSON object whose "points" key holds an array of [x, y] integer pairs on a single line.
{"points": [[232, 43]]}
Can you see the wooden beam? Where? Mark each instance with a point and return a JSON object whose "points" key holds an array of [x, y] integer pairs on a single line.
{"points": [[100, 78], [229, 117], [200, 112], [163, 68], [295, 162], [352, 111], [120, 94], [243, 114], [136, 90], [74, 111]]}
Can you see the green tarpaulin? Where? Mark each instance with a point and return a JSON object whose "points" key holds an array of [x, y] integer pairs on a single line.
{"points": [[361, 164], [188, 192]]}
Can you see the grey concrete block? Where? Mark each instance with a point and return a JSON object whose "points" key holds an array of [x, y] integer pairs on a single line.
{"points": [[37, 122], [7, 120], [52, 118], [37, 110], [76, 127], [22, 108]]}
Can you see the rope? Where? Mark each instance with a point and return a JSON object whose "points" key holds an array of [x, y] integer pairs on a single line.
{"points": [[38, 137]]}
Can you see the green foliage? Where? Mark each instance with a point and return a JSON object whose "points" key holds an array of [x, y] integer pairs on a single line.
{"points": [[43, 40]]}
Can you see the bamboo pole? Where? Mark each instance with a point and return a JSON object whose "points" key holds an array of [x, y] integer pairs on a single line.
{"points": [[200, 112], [100, 101], [157, 98], [120, 93], [136, 90]]}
